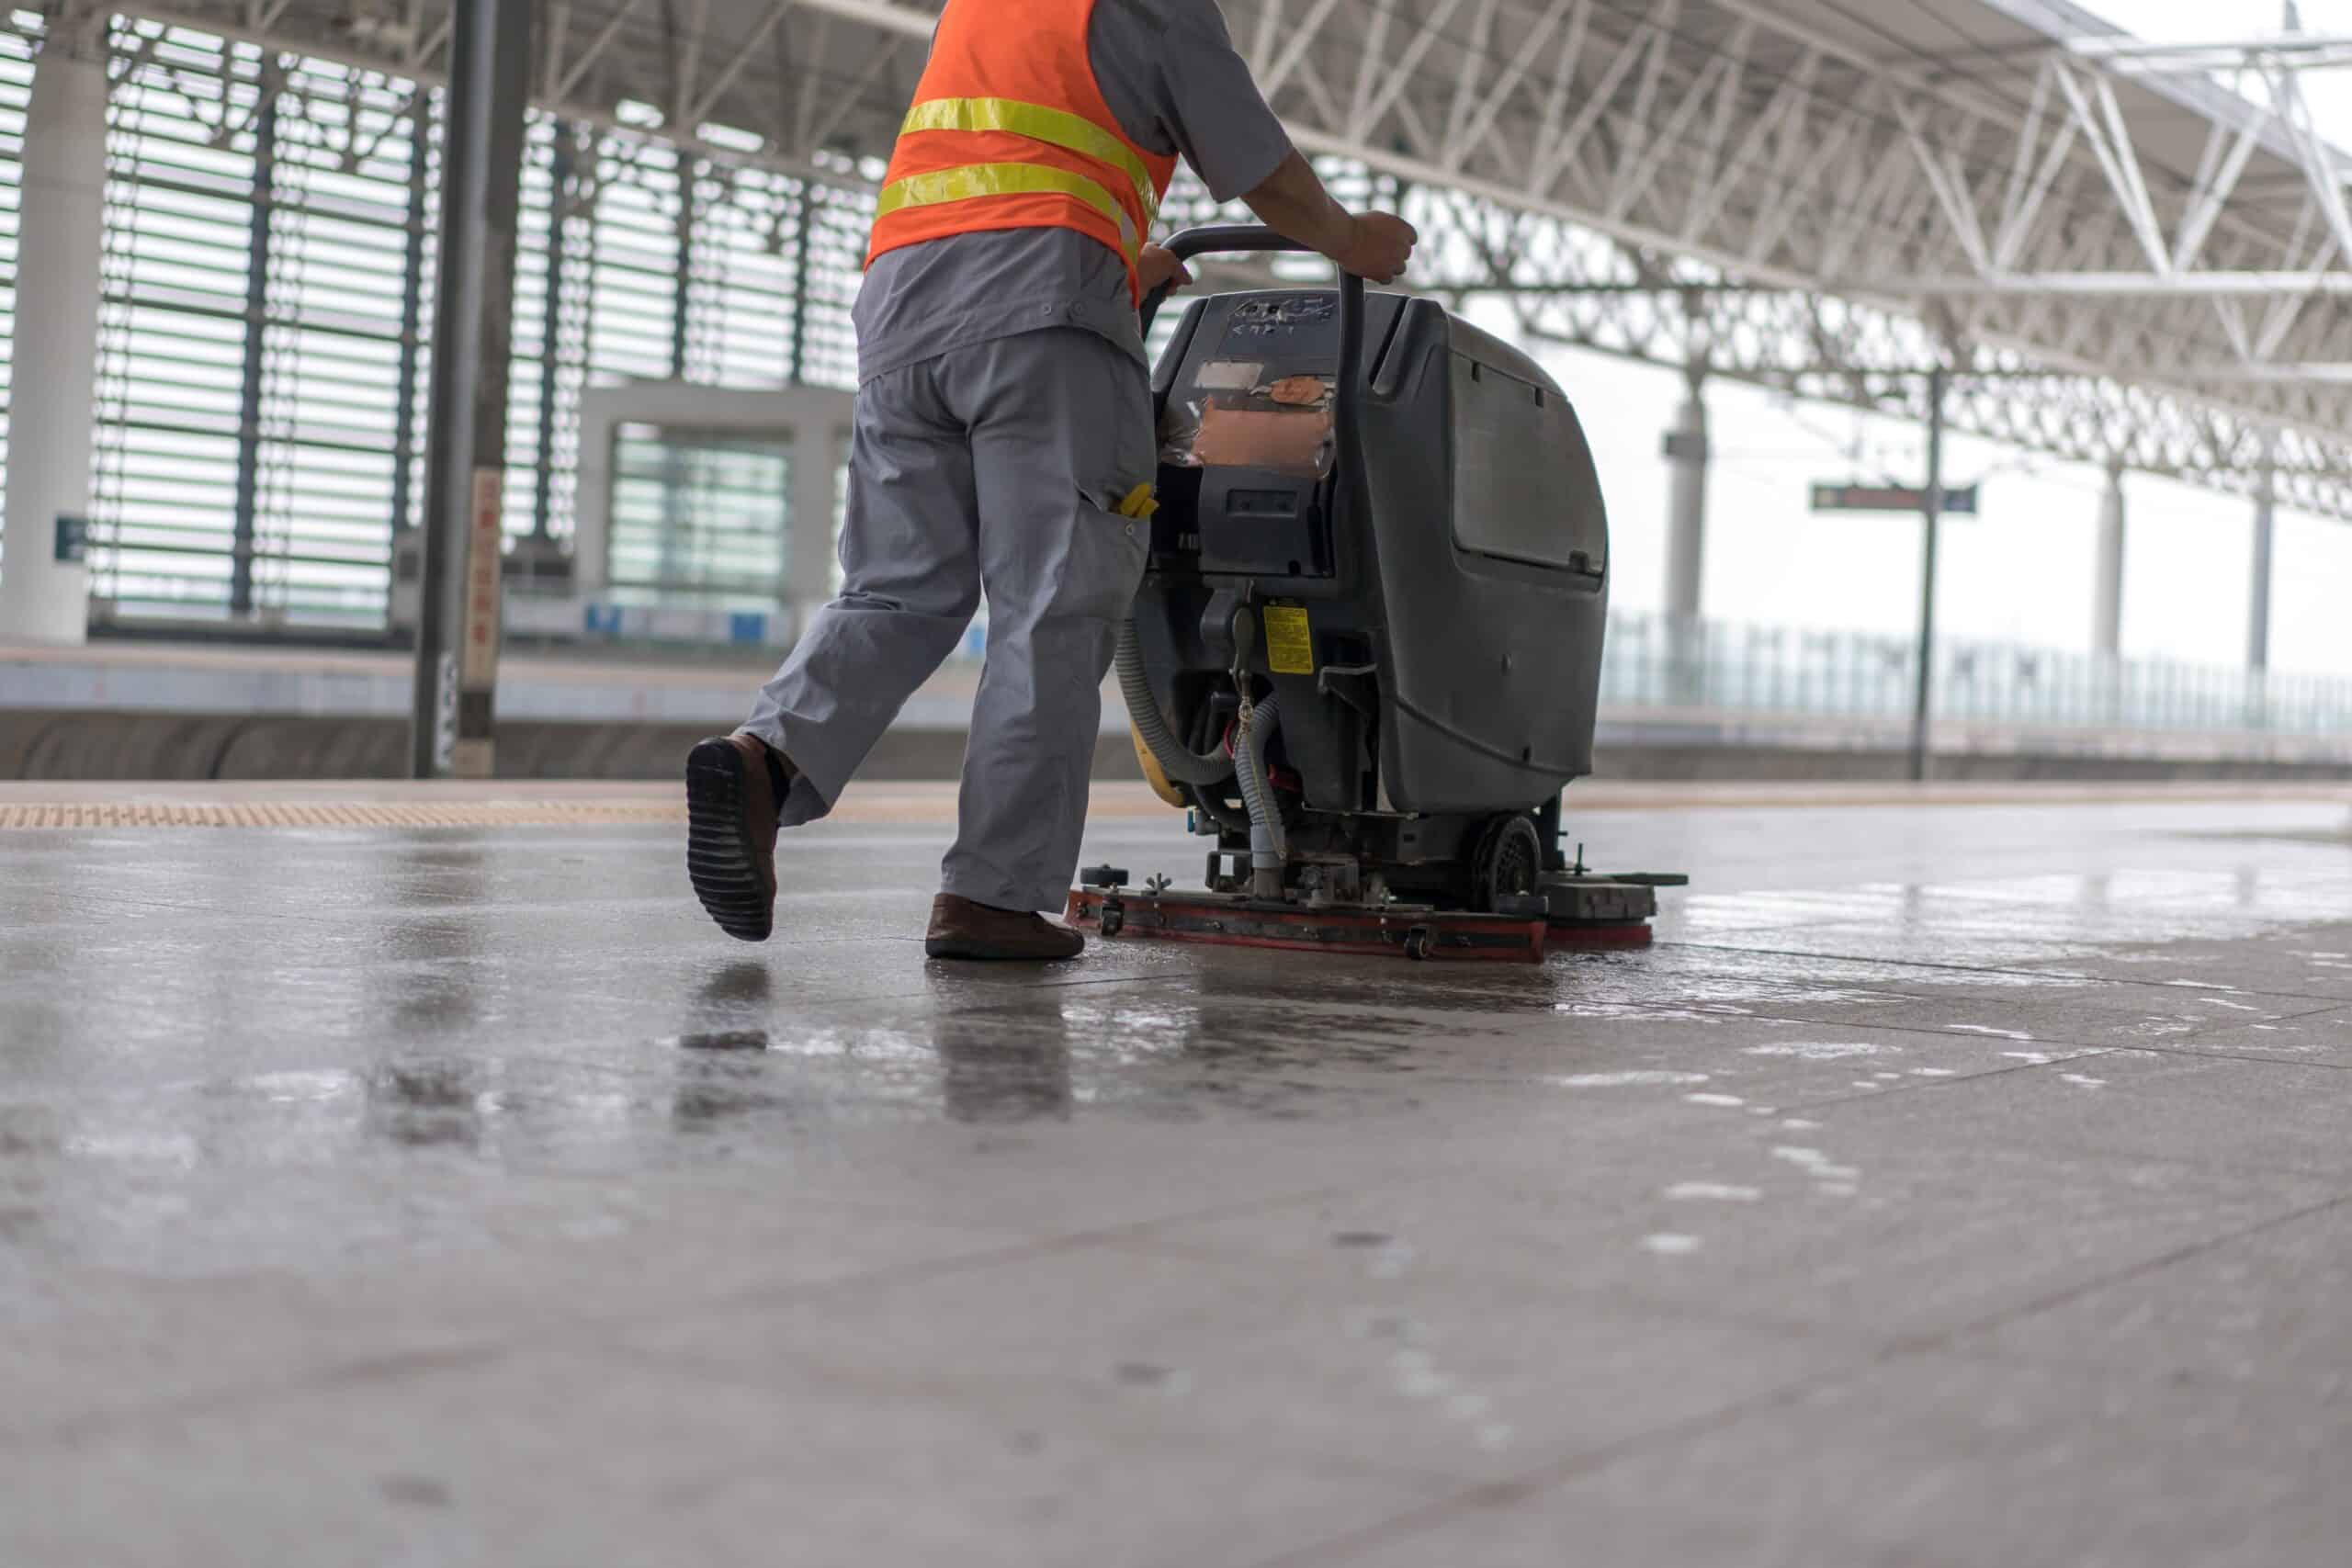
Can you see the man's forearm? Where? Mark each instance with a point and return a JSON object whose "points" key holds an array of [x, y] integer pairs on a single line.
{"points": [[1294, 204]]}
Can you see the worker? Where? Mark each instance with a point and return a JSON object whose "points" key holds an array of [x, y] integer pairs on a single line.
{"points": [[1003, 442]]}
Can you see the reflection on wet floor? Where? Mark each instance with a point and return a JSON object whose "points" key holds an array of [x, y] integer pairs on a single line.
{"points": [[349, 1178], [743, 982], [726, 1039], [709, 1095], [999, 1067], [427, 1103], [552, 998]]}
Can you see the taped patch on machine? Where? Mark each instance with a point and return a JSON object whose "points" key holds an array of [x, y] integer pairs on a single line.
{"points": [[1290, 643], [1295, 441], [1302, 391], [1229, 375], [1284, 429]]}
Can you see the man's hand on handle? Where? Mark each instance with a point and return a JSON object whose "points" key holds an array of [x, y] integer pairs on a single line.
{"points": [[1379, 245], [1157, 267]]}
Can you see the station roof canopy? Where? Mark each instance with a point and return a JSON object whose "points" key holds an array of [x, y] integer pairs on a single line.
{"points": [[1999, 186]]}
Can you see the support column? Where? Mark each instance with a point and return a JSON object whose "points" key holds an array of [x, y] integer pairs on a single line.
{"points": [[44, 580], [1686, 503], [482, 173], [1931, 510], [817, 448], [2257, 618], [2107, 612], [1687, 456]]}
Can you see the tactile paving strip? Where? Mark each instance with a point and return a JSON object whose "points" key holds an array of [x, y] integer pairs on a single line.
{"points": [[331, 814]]}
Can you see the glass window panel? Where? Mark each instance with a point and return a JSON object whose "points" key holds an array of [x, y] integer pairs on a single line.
{"points": [[699, 516]]}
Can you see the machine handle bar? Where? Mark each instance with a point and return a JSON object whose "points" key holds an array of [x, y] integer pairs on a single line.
{"points": [[1232, 239]]}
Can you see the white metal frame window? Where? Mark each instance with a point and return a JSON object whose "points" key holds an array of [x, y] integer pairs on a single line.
{"points": [[261, 425]]}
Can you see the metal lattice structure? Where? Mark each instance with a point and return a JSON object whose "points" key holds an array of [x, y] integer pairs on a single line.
{"points": [[2125, 254], [1816, 195]]}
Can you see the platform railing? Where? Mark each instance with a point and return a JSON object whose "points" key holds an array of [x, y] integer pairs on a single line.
{"points": [[1653, 660], [1658, 662]]}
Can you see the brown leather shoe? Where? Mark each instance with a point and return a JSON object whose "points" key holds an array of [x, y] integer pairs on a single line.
{"points": [[961, 928], [732, 784]]}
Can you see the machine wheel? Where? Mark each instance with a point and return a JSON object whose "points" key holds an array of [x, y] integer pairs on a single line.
{"points": [[1508, 861]]}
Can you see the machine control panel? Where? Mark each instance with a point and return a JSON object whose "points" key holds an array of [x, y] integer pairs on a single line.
{"points": [[1285, 322], [1280, 315]]}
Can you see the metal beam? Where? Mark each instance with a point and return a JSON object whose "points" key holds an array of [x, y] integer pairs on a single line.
{"points": [[2144, 284], [806, 219], [2299, 47], [560, 171], [420, 152], [243, 531]]}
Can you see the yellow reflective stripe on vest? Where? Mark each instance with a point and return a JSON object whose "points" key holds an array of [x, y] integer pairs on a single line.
{"points": [[1056, 127], [974, 181]]}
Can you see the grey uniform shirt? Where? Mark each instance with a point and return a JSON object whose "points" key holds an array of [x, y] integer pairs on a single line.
{"points": [[1169, 71]]}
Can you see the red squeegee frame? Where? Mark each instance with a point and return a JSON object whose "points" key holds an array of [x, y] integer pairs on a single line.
{"points": [[1438, 936]]}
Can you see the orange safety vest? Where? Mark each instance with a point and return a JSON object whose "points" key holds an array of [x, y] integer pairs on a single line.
{"points": [[1009, 131]]}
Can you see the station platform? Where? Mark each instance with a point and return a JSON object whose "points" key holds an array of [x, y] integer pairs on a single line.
{"points": [[399, 1173], [141, 709]]}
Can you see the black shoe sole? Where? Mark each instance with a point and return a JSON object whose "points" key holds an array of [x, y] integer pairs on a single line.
{"points": [[970, 952], [718, 850]]}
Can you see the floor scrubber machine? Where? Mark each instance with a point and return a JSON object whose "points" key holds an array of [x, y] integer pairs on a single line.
{"points": [[1367, 653]]}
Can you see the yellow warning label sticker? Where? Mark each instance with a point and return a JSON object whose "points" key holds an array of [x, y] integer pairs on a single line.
{"points": [[1290, 650]]}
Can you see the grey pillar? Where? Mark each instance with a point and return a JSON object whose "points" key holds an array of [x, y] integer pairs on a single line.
{"points": [[1932, 509], [2257, 618], [1686, 543], [1686, 504], [2107, 612], [817, 452], [482, 172], [44, 585]]}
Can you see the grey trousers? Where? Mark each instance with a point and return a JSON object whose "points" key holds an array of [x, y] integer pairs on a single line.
{"points": [[997, 469]]}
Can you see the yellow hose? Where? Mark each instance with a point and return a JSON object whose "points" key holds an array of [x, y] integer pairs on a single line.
{"points": [[1152, 772]]}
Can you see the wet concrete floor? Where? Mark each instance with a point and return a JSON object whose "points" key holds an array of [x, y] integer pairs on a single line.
{"points": [[1951, 1184]]}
